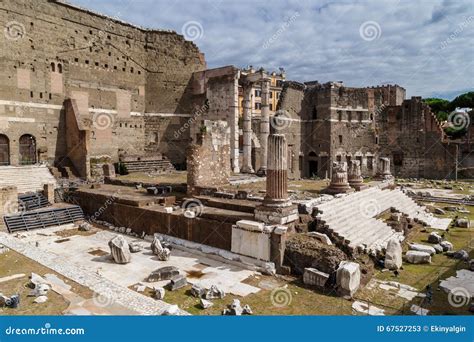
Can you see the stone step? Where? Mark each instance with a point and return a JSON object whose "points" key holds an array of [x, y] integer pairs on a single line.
{"points": [[26, 178]]}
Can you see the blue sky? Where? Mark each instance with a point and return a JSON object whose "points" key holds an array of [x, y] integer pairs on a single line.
{"points": [[425, 46]]}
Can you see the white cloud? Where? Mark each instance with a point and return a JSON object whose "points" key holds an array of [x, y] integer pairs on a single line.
{"points": [[323, 42]]}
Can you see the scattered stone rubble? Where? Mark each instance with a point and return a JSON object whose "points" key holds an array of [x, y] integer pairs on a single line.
{"points": [[348, 278], [85, 226], [235, 309], [163, 273], [393, 255], [214, 293], [417, 257], [161, 252], [120, 250]]}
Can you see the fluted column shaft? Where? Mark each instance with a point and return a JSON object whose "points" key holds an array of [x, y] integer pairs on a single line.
{"points": [[247, 130], [277, 168], [264, 124]]}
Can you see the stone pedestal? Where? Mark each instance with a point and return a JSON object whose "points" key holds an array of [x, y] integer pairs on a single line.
{"points": [[339, 183], [383, 169], [354, 175], [48, 192], [348, 278], [276, 207]]}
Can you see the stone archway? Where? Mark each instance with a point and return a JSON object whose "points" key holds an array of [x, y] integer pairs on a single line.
{"points": [[27, 149], [4, 150]]}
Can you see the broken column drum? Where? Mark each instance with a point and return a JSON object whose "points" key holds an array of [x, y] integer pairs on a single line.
{"points": [[339, 183], [355, 175]]}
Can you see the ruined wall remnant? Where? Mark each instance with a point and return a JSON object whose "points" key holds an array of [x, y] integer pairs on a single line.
{"points": [[119, 74], [208, 161]]}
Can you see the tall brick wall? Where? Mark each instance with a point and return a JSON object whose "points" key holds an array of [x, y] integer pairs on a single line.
{"points": [[115, 71], [409, 136]]}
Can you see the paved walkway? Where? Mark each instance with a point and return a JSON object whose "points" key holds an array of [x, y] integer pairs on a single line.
{"points": [[108, 292]]}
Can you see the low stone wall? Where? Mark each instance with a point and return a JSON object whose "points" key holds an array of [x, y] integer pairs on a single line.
{"points": [[155, 220]]}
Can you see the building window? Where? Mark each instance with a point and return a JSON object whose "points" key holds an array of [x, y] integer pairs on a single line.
{"points": [[340, 139], [258, 93], [278, 95], [339, 115], [349, 116], [371, 117], [53, 67], [258, 105], [339, 158], [60, 68], [315, 113], [360, 116], [348, 160], [377, 140], [271, 106], [271, 94]]}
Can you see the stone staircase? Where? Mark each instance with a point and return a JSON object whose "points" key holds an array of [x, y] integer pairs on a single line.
{"points": [[160, 166], [350, 220], [29, 178]]}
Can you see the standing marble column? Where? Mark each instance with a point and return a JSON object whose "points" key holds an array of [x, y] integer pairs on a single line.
{"points": [[233, 121], [264, 125], [276, 207], [247, 130], [277, 169]]}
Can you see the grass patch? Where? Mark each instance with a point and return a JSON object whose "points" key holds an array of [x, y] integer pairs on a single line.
{"points": [[12, 263]]}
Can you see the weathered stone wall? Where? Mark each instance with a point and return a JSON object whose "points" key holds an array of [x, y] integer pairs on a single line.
{"points": [[293, 125], [116, 72], [150, 220], [410, 137], [208, 161]]}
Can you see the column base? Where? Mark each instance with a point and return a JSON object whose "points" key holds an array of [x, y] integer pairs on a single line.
{"points": [[247, 169], [280, 213], [358, 185], [262, 172], [338, 189]]}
